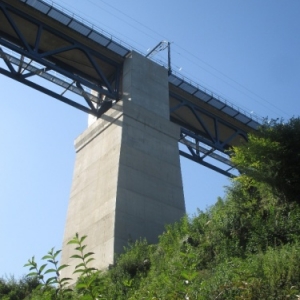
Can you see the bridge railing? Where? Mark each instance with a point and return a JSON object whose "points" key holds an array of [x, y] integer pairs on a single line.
{"points": [[57, 12], [252, 116]]}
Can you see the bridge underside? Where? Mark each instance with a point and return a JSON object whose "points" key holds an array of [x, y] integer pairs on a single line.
{"points": [[127, 180], [51, 51]]}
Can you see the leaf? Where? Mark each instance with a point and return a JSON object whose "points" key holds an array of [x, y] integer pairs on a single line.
{"points": [[83, 238], [79, 271], [90, 269], [80, 265], [127, 283], [80, 248], [50, 271], [47, 257], [88, 254], [189, 275], [56, 253], [51, 280], [91, 280], [32, 274], [72, 242], [62, 267], [81, 286], [51, 251], [31, 262], [76, 256], [90, 259], [51, 261], [65, 279], [42, 268]]}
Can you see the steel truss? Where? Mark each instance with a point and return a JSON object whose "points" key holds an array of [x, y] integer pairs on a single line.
{"points": [[208, 146], [25, 60], [95, 75]]}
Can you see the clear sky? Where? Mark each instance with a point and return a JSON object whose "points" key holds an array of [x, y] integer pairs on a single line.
{"points": [[245, 51]]}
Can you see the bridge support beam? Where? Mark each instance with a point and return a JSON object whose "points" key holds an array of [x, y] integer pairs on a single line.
{"points": [[127, 180]]}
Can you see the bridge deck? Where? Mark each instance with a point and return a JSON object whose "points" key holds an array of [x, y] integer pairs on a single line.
{"points": [[40, 40]]}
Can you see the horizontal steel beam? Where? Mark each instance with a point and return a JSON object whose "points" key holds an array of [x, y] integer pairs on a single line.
{"points": [[29, 36]]}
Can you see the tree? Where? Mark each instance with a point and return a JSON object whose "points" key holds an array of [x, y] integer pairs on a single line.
{"points": [[12, 289], [270, 160], [246, 246]]}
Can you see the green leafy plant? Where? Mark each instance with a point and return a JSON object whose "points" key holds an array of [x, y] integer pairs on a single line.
{"points": [[13, 289], [88, 282], [88, 285], [246, 246], [54, 280]]}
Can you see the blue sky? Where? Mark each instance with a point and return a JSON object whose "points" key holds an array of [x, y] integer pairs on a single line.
{"points": [[245, 51]]}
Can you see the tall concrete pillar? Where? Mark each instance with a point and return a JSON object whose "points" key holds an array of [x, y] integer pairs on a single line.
{"points": [[127, 180]]}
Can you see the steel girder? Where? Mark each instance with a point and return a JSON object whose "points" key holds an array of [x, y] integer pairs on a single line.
{"points": [[26, 59], [209, 139], [198, 151]]}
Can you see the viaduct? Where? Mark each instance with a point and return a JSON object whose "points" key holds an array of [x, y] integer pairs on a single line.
{"points": [[127, 180]]}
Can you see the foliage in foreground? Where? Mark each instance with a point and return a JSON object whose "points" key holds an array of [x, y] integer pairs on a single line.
{"points": [[246, 246], [12, 289]]}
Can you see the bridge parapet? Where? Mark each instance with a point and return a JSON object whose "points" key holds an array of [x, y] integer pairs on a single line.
{"points": [[82, 66]]}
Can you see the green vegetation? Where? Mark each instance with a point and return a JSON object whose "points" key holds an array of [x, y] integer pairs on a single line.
{"points": [[12, 289], [246, 246]]}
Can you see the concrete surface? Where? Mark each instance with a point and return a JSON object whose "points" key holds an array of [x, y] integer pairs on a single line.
{"points": [[127, 179]]}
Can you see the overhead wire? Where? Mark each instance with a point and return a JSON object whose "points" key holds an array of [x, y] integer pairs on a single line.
{"points": [[231, 79], [239, 88], [117, 34], [195, 59], [210, 66]]}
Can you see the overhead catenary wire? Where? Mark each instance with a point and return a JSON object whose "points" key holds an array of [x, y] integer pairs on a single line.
{"points": [[186, 55], [120, 35], [231, 79]]}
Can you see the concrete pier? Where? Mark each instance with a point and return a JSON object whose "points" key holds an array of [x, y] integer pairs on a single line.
{"points": [[127, 179]]}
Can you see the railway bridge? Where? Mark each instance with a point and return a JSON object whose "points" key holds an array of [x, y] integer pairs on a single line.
{"points": [[127, 180]]}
